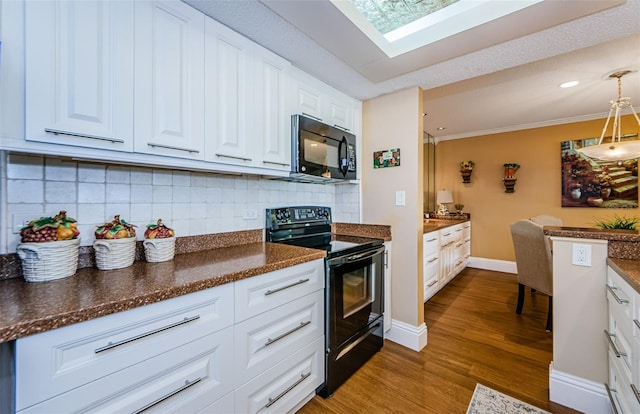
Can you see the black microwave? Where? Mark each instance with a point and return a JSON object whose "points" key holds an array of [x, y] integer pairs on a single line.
{"points": [[320, 152]]}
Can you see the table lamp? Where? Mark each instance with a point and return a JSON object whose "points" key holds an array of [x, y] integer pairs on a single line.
{"points": [[442, 198]]}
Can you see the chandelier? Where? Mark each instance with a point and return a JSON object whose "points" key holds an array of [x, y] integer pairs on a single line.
{"points": [[616, 150]]}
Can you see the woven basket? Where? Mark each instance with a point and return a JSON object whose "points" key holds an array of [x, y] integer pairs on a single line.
{"points": [[115, 253], [49, 260], [159, 250]]}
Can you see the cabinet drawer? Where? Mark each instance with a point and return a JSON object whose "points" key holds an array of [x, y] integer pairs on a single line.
{"points": [[621, 392], [447, 236], [263, 341], [281, 388], [259, 294], [185, 379], [620, 340], [53, 362], [431, 276], [430, 243]]}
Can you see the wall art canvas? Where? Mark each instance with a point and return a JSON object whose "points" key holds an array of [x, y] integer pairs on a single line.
{"points": [[386, 158], [588, 182]]}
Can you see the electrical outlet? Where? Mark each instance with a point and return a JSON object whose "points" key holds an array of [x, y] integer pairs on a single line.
{"points": [[581, 255], [19, 220], [250, 214]]}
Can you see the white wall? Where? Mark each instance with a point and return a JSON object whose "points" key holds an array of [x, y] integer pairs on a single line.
{"points": [[192, 203]]}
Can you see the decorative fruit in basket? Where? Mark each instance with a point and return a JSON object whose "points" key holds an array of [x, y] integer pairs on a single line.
{"points": [[46, 229], [116, 229], [158, 231]]}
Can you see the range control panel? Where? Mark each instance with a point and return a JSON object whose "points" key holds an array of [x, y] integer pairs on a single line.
{"points": [[306, 215]]}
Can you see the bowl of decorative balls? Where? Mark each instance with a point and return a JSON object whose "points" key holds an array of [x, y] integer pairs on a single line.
{"points": [[159, 242], [49, 248], [115, 244]]}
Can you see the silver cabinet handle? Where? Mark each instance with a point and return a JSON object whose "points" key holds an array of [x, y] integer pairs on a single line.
{"points": [[299, 282], [186, 385], [233, 157], [311, 116], [613, 344], [171, 147], [432, 283], [635, 392], [432, 260], [341, 127], [276, 163], [448, 234], [283, 393], [112, 345], [458, 230], [459, 244], [431, 240], [613, 404], [75, 134], [289, 332], [637, 322], [618, 299], [386, 259]]}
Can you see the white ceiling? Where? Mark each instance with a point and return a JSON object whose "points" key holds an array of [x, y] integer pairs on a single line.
{"points": [[499, 77]]}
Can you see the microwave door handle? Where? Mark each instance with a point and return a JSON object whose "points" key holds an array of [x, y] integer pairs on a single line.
{"points": [[343, 162]]}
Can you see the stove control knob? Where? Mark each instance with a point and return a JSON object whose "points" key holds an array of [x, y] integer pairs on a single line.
{"points": [[287, 214], [278, 215]]}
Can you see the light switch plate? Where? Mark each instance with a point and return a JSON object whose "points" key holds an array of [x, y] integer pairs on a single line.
{"points": [[400, 196]]}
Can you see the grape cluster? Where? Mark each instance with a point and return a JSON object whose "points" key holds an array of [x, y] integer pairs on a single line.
{"points": [[44, 234]]}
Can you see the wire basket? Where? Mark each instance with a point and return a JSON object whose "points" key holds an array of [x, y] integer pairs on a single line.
{"points": [[49, 260], [159, 250], [115, 253]]}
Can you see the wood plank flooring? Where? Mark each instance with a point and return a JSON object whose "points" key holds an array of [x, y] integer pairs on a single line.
{"points": [[474, 336]]}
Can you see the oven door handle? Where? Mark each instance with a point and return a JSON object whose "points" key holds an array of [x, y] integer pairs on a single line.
{"points": [[356, 257]]}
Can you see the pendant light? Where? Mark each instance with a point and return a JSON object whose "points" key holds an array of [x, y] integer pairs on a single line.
{"points": [[616, 150]]}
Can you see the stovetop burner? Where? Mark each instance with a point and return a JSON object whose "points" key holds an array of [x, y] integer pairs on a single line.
{"points": [[310, 226]]}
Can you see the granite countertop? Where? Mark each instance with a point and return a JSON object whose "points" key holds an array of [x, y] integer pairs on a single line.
{"points": [[628, 269], [29, 308], [378, 231], [431, 224], [593, 233]]}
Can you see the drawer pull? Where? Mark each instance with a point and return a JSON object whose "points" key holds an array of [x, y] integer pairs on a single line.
{"points": [[613, 345], [276, 163], [311, 116], [613, 404], [171, 147], [289, 332], [445, 235], [432, 283], [299, 282], [635, 392], [186, 385], [432, 260], [618, 299], [112, 345], [637, 322], [459, 244], [233, 157], [432, 240], [75, 134], [341, 127], [283, 393], [458, 230]]}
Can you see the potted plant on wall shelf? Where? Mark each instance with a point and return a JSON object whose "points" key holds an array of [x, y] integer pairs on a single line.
{"points": [[509, 179], [466, 168]]}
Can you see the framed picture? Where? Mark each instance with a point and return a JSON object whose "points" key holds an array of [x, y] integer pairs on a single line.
{"points": [[588, 182], [387, 158]]}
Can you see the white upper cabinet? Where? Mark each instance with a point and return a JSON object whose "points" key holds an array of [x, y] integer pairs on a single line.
{"points": [[79, 73], [320, 101], [229, 96], [169, 79], [272, 111]]}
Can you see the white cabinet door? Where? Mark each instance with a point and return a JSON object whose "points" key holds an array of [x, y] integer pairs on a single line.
{"points": [[79, 73], [339, 110], [229, 96], [272, 111], [169, 79], [309, 96]]}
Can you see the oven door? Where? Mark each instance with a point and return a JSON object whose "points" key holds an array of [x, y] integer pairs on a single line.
{"points": [[355, 292]]}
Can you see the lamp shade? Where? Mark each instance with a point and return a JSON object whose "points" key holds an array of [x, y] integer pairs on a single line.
{"points": [[444, 196]]}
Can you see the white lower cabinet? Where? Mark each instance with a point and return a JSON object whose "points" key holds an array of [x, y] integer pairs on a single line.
{"points": [[252, 345], [623, 337], [446, 253]]}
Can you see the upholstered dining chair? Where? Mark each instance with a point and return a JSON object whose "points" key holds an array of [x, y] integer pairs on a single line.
{"points": [[534, 262]]}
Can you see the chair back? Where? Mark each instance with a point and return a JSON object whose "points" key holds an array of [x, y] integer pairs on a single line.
{"points": [[533, 256]]}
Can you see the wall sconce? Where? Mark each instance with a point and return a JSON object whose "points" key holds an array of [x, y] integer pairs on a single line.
{"points": [[442, 198], [510, 176], [466, 167]]}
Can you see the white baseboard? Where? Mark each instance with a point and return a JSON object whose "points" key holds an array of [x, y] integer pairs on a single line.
{"points": [[578, 393], [493, 264], [409, 336]]}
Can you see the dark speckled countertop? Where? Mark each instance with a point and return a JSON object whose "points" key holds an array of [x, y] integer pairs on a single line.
{"points": [[431, 224], [628, 269], [29, 308]]}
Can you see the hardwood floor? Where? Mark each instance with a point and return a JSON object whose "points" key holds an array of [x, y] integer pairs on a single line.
{"points": [[474, 336]]}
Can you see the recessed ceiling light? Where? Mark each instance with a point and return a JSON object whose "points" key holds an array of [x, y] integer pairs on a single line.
{"points": [[441, 128], [569, 84]]}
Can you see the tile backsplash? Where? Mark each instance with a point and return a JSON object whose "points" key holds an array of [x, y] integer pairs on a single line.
{"points": [[192, 203]]}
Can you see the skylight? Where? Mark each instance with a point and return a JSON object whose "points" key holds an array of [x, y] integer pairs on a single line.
{"points": [[399, 26]]}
